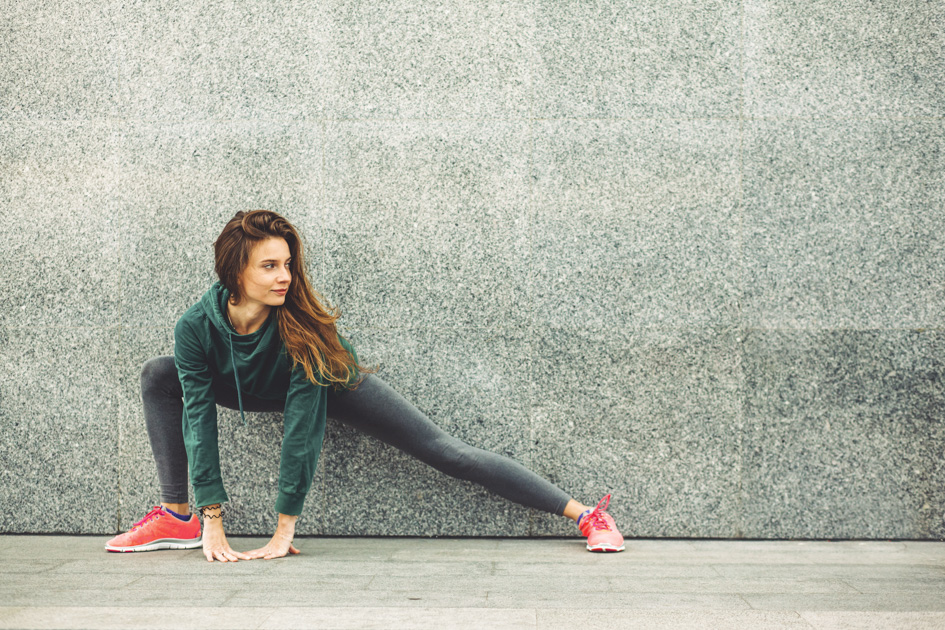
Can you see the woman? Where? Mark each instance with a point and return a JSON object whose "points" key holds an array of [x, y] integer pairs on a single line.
{"points": [[259, 340]]}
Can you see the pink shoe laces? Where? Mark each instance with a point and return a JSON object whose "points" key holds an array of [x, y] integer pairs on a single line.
{"points": [[596, 518], [155, 512]]}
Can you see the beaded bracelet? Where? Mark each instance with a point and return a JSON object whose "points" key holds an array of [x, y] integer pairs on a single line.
{"points": [[203, 511]]}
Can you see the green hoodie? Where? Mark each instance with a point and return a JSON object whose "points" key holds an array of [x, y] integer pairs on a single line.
{"points": [[208, 350]]}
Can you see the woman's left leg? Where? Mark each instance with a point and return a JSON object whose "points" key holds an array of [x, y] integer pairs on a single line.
{"points": [[378, 410]]}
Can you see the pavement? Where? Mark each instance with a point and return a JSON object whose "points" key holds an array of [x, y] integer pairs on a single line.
{"points": [[363, 583]]}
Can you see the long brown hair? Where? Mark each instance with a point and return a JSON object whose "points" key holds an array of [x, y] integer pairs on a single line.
{"points": [[307, 328]]}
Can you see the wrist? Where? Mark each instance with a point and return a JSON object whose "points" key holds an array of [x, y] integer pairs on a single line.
{"points": [[212, 514], [286, 524]]}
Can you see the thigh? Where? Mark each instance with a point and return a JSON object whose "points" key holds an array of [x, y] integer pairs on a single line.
{"points": [[376, 409]]}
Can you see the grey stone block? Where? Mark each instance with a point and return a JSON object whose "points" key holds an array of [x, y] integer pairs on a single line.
{"points": [[843, 223], [109, 617], [837, 432], [838, 60], [873, 602], [676, 619], [356, 601], [59, 224], [652, 416], [635, 223], [626, 60], [874, 620], [116, 595], [58, 409], [458, 615], [543, 600], [471, 385], [732, 585], [185, 61], [59, 61], [635, 569], [427, 223], [444, 60], [840, 570]]}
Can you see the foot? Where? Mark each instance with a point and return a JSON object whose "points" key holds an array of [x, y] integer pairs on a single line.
{"points": [[159, 529], [600, 529]]}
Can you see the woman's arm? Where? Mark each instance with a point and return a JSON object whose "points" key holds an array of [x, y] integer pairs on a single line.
{"points": [[304, 422], [200, 439], [304, 432], [200, 416]]}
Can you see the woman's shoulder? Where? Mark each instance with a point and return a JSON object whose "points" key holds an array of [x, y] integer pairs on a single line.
{"points": [[197, 315], [193, 316]]}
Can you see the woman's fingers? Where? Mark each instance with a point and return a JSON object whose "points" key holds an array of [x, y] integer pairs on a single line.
{"points": [[223, 556], [234, 555]]}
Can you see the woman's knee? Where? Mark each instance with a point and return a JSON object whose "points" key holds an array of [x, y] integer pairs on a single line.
{"points": [[454, 457], [158, 373]]}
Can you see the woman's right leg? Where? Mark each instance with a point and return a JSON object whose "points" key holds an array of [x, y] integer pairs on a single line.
{"points": [[170, 526], [162, 397]]}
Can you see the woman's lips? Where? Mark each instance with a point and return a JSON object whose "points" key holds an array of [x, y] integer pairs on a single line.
{"points": [[281, 292]]}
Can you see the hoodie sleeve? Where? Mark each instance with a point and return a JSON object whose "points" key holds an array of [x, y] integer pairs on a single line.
{"points": [[200, 417], [304, 420]]}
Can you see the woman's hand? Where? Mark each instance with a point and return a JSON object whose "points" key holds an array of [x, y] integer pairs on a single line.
{"points": [[277, 547], [281, 542], [215, 546]]}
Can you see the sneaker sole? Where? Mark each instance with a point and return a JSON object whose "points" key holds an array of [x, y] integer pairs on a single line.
{"points": [[164, 543], [605, 547]]}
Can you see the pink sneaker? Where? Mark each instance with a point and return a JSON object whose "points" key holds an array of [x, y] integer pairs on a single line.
{"points": [[600, 529], [158, 530]]}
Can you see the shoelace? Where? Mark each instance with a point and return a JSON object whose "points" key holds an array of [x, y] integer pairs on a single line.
{"points": [[154, 513], [596, 518]]}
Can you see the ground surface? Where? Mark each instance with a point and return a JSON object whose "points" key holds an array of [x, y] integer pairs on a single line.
{"points": [[71, 582]]}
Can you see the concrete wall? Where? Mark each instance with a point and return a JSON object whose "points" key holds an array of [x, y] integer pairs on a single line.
{"points": [[690, 253]]}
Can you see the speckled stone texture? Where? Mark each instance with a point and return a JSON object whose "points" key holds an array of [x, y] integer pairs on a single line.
{"points": [[690, 254]]}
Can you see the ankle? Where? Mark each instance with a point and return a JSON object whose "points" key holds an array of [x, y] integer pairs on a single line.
{"points": [[181, 508], [573, 510]]}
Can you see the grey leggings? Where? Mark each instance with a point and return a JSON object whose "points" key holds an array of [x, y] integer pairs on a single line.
{"points": [[373, 408]]}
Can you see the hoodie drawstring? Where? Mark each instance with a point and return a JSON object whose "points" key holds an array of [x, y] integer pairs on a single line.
{"points": [[236, 376]]}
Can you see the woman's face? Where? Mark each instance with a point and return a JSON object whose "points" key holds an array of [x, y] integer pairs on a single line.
{"points": [[267, 272]]}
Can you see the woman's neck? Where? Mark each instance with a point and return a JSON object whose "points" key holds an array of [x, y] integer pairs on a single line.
{"points": [[247, 319]]}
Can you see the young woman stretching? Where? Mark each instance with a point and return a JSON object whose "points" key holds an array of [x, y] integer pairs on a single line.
{"points": [[259, 340]]}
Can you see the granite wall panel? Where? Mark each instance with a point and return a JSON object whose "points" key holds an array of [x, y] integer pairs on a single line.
{"points": [[843, 224], [841, 429], [59, 462], [689, 254]]}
